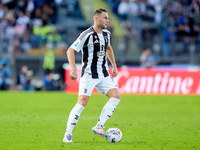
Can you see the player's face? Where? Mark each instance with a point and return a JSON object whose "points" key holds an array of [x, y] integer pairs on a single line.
{"points": [[103, 20]]}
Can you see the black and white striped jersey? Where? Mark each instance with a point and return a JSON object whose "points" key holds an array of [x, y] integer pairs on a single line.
{"points": [[93, 46]]}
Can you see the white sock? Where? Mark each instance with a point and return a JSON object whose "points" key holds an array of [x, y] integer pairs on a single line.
{"points": [[108, 110], [73, 117]]}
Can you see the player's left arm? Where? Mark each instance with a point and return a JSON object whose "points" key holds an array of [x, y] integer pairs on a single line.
{"points": [[111, 58]]}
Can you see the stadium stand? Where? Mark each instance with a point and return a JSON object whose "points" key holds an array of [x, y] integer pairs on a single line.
{"points": [[173, 34]]}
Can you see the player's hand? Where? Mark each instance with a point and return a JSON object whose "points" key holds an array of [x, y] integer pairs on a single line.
{"points": [[114, 72], [73, 75]]}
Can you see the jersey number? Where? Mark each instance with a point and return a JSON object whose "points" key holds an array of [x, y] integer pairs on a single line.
{"points": [[102, 48]]}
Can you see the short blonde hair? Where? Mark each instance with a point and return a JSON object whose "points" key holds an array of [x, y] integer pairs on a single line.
{"points": [[99, 11]]}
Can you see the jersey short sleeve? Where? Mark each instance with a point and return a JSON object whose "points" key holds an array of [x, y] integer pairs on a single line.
{"points": [[108, 35], [78, 44]]}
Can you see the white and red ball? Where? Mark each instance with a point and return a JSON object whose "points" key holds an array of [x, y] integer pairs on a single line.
{"points": [[114, 135]]}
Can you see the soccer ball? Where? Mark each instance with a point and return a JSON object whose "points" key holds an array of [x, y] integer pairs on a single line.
{"points": [[114, 135]]}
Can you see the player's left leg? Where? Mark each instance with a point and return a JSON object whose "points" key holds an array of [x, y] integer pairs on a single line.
{"points": [[107, 111], [110, 106], [109, 88]]}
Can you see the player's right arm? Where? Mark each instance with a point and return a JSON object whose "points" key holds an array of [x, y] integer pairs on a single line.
{"points": [[71, 60], [76, 47]]}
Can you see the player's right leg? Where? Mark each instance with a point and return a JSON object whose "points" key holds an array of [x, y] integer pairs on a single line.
{"points": [[74, 117], [85, 90]]}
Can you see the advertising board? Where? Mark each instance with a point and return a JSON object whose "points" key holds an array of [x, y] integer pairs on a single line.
{"points": [[149, 81]]}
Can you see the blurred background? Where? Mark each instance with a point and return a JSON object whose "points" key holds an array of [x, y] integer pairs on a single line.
{"points": [[35, 34]]}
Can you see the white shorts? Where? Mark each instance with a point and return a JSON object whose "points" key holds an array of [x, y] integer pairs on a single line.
{"points": [[103, 85]]}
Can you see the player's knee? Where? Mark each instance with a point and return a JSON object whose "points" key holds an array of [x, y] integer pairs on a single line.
{"points": [[83, 100], [116, 95]]}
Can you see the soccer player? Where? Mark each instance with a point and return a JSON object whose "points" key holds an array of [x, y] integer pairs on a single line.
{"points": [[94, 44]]}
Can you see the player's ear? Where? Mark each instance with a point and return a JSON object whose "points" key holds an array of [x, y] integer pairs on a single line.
{"points": [[96, 18]]}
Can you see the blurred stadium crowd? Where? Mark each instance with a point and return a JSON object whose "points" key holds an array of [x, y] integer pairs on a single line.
{"points": [[168, 29], [176, 22], [26, 22]]}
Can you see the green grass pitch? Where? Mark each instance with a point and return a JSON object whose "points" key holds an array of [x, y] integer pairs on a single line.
{"points": [[37, 121]]}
